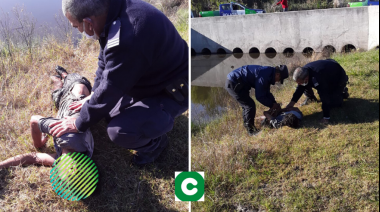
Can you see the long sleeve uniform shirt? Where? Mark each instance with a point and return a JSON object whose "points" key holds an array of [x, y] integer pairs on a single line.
{"points": [[141, 53], [324, 75], [258, 77]]}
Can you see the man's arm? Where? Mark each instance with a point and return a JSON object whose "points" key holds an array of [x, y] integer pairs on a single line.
{"points": [[297, 95], [263, 94], [99, 71]]}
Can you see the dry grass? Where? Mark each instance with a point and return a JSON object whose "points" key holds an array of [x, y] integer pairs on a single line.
{"points": [[25, 91], [313, 168]]}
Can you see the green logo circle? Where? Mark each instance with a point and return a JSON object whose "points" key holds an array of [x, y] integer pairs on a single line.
{"points": [[74, 176], [189, 186]]}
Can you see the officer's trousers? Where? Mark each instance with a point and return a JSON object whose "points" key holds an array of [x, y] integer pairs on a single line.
{"points": [[245, 101], [136, 124]]}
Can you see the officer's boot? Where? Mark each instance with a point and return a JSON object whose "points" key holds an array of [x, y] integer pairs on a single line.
{"points": [[251, 129], [345, 93], [147, 156], [309, 100]]}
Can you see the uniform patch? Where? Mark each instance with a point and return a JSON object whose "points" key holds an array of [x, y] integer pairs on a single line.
{"points": [[315, 82], [114, 34]]}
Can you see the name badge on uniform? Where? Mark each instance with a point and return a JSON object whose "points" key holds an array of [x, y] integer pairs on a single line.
{"points": [[114, 34], [315, 82]]}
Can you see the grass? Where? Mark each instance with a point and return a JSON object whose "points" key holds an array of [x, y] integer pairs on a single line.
{"points": [[25, 91], [313, 168]]}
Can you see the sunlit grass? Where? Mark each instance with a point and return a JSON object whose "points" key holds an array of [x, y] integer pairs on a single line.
{"points": [[25, 90], [313, 168]]}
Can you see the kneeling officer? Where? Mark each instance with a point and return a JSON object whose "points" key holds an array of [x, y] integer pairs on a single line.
{"points": [[240, 81], [330, 80]]}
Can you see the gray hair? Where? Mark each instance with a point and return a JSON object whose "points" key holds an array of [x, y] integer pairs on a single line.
{"points": [[300, 74], [81, 9]]}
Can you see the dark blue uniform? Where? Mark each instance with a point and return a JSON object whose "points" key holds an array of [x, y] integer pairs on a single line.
{"points": [[141, 53], [330, 80], [239, 83]]}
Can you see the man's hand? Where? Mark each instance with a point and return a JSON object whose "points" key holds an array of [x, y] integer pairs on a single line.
{"points": [[324, 121], [66, 125], [291, 104], [77, 106]]}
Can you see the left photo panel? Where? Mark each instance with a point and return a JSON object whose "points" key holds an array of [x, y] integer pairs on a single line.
{"points": [[94, 104]]}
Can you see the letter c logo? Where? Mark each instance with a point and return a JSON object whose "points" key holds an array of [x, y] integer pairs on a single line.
{"points": [[187, 182]]}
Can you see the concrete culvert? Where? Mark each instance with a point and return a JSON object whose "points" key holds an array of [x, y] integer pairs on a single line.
{"points": [[308, 52], [206, 51], [254, 53], [328, 51], [288, 52], [221, 51], [270, 52], [193, 53], [237, 51], [348, 48]]}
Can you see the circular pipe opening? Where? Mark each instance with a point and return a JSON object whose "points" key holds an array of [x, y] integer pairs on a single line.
{"points": [[308, 52], [270, 52], [206, 51], [254, 53], [193, 53], [238, 53], [289, 52], [328, 51], [221, 51], [348, 48]]}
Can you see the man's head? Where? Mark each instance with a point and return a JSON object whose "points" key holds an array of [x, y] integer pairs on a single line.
{"points": [[87, 16], [290, 120], [281, 73], [301, 76]]}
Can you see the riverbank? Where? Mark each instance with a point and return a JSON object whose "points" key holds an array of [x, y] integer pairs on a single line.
{"points": [[313, 168], [25, 89]]}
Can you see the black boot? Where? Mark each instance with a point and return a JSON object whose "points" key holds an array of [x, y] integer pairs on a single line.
{"points": [[251, 129], [144, 157], [309, 100], [345, 93]]}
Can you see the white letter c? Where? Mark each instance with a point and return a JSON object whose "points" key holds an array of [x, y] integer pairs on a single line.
{"points": [[184, 186]]}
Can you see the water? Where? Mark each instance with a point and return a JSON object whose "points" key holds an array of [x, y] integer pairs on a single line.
{"points": [[43, 11], [209, 73]]}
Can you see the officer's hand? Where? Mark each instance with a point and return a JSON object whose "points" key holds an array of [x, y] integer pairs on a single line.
{"points": [[324, 121], [66, 125], [77, 106]]}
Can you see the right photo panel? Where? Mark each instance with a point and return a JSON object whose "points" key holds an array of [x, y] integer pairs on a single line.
{"points": [[285, 104]]}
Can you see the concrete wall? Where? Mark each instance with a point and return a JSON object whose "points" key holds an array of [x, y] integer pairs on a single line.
{"points": [[373, 36], [297, 30], [212, 71]]}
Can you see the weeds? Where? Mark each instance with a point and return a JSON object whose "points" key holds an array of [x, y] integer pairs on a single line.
{"points": [[25, 90], [313, 168]]}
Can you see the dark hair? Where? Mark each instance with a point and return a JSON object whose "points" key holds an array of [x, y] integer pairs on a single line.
{"points": [[290, 120]]}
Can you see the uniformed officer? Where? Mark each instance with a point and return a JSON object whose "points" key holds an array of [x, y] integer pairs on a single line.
{"points": [[240, 81], [330, 80], [141, 81]]}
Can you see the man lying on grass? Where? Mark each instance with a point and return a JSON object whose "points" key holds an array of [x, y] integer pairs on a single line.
{"points": [[290, 117], [74, 88]]}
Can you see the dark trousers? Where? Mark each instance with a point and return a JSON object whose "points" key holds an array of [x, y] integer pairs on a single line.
{"points": [[136, 125], [245, 101]]}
